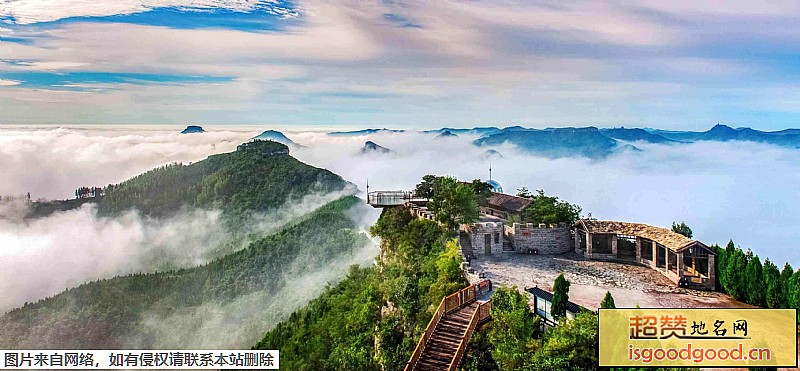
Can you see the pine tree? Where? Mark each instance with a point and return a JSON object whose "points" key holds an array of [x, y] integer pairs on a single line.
{"points": [[793, 282], [786, 284], [794, 293], [608, 301], [735, 284], [754, 279], [682, 229], [728, 252], [772, 281], [719, 265], [560, 297]]}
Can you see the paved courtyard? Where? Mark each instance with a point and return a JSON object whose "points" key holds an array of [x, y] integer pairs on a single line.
{"points": [[629, 284]]}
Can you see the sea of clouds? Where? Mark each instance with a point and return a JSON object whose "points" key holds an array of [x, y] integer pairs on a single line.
{"points": [[734, 190], [743, 191]]}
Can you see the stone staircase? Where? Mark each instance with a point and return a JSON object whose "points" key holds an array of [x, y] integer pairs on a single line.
{"points": [[507, 245]]}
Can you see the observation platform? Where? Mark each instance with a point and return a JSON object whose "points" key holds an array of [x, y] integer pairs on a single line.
{"points": [[380, 199]]}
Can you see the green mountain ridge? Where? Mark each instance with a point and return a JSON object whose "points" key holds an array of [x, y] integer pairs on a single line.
{"points": [[148, 310], [237, 182]]}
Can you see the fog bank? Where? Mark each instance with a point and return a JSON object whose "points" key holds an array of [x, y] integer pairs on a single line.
{"points": [[733, 190], [52, 162], [724, 190], [42, 257]]}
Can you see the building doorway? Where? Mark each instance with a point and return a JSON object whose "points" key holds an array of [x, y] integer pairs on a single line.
{"points": [[487, 244]]}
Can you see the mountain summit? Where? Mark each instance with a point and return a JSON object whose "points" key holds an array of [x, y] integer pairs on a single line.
{"points": [[372, 147], [193, 129], [275, 136], [171, 309]]}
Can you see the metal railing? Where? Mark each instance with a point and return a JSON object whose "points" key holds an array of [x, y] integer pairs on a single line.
{"points": [[388, 198]]}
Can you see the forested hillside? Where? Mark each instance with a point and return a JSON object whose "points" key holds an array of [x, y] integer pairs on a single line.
{"points": [[126, 311], [230, 301], [237, 182], [375, 316]]}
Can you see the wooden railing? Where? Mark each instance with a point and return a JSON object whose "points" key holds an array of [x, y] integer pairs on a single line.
{"points": [[448, 304], [482, 313], [426, 335]]}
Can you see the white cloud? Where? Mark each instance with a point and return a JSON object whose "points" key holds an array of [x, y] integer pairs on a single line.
{"points": [[9, 82], [725, 8], [69, 248], [736, 190], [66, 159], [242, 322], [33, 11], [476, 62], [722, 190]]}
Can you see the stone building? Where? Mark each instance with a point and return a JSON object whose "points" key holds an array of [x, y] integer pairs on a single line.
{"points": [[684, 261], [505, 206], [485, 237], [496, 232], [539, 238], [491, 235]]}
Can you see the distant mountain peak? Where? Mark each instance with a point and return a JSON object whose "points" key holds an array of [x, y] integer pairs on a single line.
{"points": [[491, 154], [372, 147], [446, 134], [275, 136], [473, 131], [193, 129], [514, 128], [365, 132], [555, 142], [722, 128], [635, 135]]}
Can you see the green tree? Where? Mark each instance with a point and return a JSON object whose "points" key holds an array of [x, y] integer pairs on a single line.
{"points": [[571, 345], [524, 192], [391, 226], [794, 293], [391, 302], [682, 229], [478, 356], [560, 297], [425, 188], [772, 280], [453, 202], [786, 284], [512, 329], [608, 301], [482, 191], [548, 209], [450, 277], [719, 262], [736, 284], [754, 280], [723, 261]]}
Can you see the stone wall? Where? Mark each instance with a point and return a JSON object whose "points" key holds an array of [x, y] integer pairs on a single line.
{"points": [[477, 233], [542, 238]]}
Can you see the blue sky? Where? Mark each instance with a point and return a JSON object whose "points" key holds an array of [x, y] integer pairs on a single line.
{"points": [[418, 64]]}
